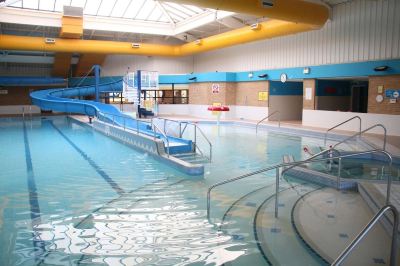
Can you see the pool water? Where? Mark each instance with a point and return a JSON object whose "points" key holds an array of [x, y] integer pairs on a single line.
{"points": [[70, 195]]}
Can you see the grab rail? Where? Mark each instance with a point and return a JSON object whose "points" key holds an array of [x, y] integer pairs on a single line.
{"points": [[182, 130], [365, 130], [164, 135], [279, 119], [278, 166], [367, 229], [332, 150], [344, 122], [126, 117]]}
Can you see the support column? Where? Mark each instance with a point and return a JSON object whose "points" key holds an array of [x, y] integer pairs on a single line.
{"points": [[97, 81]]}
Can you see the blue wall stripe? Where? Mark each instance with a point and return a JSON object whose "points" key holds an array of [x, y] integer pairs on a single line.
{"points": [[287, 88], [92, 163], [358, 69], [38, 244]]}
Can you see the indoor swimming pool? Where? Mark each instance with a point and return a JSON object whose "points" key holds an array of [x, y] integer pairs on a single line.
{"points": [[70, 195]]}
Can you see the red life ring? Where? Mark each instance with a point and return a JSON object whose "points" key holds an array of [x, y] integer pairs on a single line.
{"points": [[218, 108]]}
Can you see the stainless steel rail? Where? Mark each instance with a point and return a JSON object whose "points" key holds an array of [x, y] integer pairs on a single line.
{"points": [[164, 135], [344, 122], [278, 166], [366, 130], [125, 117], [279, 119], [196, 129], [367, 229], [314, 156]]}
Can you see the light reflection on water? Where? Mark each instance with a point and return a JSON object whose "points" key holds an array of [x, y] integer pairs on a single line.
{"points": [[162, 230], [161, 222]]}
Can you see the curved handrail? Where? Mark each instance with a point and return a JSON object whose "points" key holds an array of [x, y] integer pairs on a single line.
{"points": [[204, 136], [367, 229], [314, 156], [196, 127], [277, 166], [366, 130], [279, 119], [342, 123]]}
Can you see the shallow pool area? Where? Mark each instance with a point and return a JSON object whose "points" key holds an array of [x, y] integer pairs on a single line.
{"points": [[70, 195]]}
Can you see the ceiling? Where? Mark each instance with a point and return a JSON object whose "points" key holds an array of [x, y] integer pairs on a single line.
{"points": [[147, 21]]}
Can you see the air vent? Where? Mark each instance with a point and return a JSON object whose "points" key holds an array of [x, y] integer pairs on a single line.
{"points": [[267, 3], [73, 11], [135, 45], [50, 40], [255, 26]]}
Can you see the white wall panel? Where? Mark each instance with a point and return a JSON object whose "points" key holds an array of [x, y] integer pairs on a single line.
{"points": [[360, 30], [118, 64]]}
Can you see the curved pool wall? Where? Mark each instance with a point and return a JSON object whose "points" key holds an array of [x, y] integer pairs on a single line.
{"points": [[61, 100]]}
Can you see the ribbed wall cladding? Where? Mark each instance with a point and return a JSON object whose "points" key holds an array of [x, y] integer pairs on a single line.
{"points": [[359, 31]]}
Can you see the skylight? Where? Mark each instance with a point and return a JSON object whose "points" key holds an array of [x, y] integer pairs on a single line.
{"points": [[147, 10], [133, 16]]}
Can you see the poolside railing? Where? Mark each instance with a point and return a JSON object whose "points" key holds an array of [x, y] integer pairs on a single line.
{"points": [[182, 126], [273, 113], [342, 123], [393, 247], [112, 118], [298, 163], [364, 131]]}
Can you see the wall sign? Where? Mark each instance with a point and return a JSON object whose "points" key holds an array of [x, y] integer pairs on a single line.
{"points": [[215, 88], [380, 89], [3, 92], [392, 93], [308, 94], [263, 96]]}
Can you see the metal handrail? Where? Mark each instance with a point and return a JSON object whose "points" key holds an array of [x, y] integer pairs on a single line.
{"points": [[365, 130], [314, 156], [278, 166], [204, 136], [367, 229], [125, 117], [164, 135], [338, 125], [196, 128], [279, 119]]}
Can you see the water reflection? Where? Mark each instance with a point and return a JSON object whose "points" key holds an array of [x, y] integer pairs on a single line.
{"points": [[167, 228]]}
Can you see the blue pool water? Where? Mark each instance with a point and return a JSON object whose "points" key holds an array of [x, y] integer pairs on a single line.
{"points": [[70, 195]]}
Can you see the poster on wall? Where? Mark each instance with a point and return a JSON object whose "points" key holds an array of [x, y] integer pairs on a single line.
{"points": [[308, 93], [215, 88], [263, 96], [392, 93]]}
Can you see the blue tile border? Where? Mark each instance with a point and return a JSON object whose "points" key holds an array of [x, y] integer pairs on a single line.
{"points": [[297, 232]]}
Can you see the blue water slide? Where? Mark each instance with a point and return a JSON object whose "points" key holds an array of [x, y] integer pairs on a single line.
{"points": [[62, 100]]}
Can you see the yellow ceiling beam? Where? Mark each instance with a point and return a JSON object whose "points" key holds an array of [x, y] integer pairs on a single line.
{"points": [[268, 29]]}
